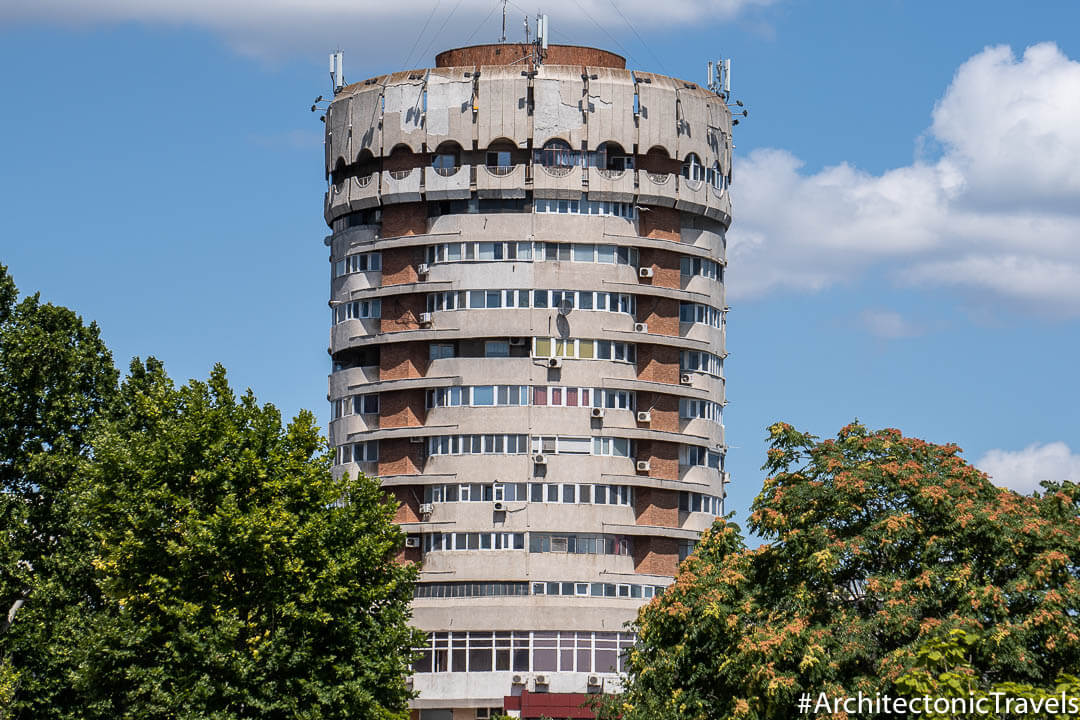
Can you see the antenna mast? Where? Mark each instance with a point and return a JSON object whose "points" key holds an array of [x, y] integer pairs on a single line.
{"points": [[503, 38]]}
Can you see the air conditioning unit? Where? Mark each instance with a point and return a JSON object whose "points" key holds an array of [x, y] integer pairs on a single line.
{"points": [[425, 318], [518, 680], [597, 412], [554, 362], [517, 341], [499, 507], [643, 466], [725, 477], [409, 683], [539, 459], [426, 508], [412, 541], [594, 681], [645, 272], [685, 379], [560, 544], [422, 269], [541, 679], [644, 416], [641, 327]]}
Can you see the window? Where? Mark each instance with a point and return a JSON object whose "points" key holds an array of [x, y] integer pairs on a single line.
{"points": [[693, 360], [695, 455], [557, 157], [584, 349], [442, 350], [498, 158], [690, 266], [358, 310], [582, 494], [699, 313], [561, 445], [478, 444], [496, 348], [698, 502], [580, 544], [584, 206], [690, 408], [446, 159], [692, 169], [443, 542], [362, 262], [357, 405], [358, 452]]}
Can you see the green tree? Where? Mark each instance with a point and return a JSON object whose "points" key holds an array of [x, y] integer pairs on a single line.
{"points": [[238, 577], [56, 374], [875, 542], [178, 552], [943, 669]]}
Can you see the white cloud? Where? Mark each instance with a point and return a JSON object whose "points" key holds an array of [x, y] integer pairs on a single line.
{"points": [[997, 214], [1023, 470], [888, 325], [364, 29]]}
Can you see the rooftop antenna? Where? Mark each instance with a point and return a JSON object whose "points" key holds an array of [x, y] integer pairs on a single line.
{"points": [[503, 38], [337, 70], [526, 29]]}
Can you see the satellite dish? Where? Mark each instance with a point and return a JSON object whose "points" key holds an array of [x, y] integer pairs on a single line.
{"points": [[565, 306]]}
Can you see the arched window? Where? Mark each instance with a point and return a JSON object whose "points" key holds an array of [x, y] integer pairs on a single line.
{"points": [[716, 177], [611, 159], [446, 160], [557, 157], [499, 158], [692, 168], [366, 167]]}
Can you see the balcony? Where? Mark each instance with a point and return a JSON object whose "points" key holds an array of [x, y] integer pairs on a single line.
{"points": [[401, 186], [613, 185], [558, 181], [363, 192], [693, 196], [719, 204], [337, 201], [447, 183], [657, 189], [501, 181]]}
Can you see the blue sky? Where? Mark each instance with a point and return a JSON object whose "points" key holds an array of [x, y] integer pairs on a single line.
{"points": [[907, 196]]}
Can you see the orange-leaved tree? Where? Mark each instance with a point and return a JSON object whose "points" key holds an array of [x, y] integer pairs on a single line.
{"points": [[874, 542]]}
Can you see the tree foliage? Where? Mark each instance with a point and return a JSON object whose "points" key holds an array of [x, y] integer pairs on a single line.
{"points": [[875, 542], [56, 376], [943, 669], [194, 557]]}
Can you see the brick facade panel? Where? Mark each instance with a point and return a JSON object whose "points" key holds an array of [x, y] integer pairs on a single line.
{"points": [[402, 408], [400, 220], [664, 409], [665, 266], [663, 458], [399, 265], [399, 456], [658, 363], [403, 360], [656, 556], [660, 222], [401, 312], [660, 314], [654, 506]]}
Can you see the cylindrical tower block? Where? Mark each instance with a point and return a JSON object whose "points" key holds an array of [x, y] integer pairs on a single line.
{"points": [[527, 293]]}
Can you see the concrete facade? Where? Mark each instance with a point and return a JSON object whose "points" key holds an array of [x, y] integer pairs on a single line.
{"points": [[527, 342]]}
